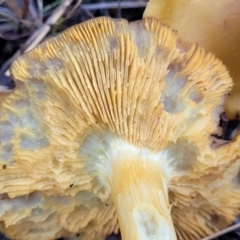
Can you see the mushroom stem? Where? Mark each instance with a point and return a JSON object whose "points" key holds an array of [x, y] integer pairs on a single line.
{"points": [[141, 197]]}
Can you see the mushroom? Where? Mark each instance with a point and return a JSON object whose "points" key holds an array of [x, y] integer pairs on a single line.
{"points": [[214, 25], [109, 126]]}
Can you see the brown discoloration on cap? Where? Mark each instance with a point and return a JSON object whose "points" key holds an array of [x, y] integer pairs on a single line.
{"points": [[214, 26]]}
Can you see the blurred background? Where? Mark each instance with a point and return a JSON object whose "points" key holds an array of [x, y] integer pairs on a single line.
{"points": [[24, 22]]}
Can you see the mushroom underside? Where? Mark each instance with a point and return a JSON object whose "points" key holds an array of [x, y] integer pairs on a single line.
{"points": [[109, 127]]}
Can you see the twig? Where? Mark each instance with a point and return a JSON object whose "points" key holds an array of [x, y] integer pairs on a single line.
{"points": [[4, 27], [69, 14], [25, 9], [107, 5], [11, 37], [8, 16], [32, 10], [103, 12], [52, 5], [39, 34], [15, 19], [224, 231], [119, 12], [89, 14], [13, 5], [40, 9]]}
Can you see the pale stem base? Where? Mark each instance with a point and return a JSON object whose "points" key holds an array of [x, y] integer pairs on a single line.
{"points": [[140, 194]]}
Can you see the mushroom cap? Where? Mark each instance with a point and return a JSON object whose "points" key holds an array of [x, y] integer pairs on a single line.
{"points": [[98, 89], [213, 25]]}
